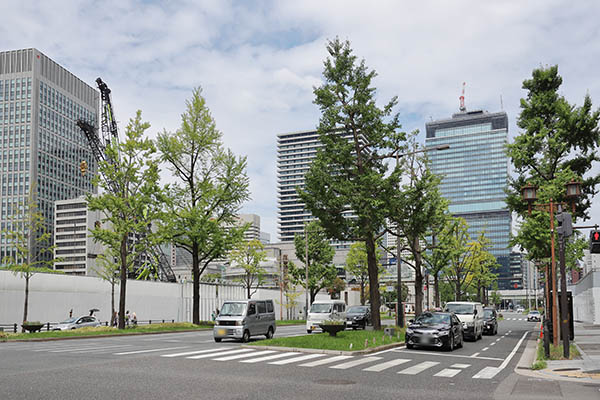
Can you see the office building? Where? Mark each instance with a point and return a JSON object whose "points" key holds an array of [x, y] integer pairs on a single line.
{"points": [[475, 176], [41, 146]]}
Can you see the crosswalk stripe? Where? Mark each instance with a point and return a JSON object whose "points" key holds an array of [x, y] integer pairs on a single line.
{"points": [[354, 363], [267, 358], [385, 365], [80, 348], [189, 353], [296, 359], [461, 366], [448, 372], [148, 351], [487, 373], [245, 355], [325, 361], [414, 370], [222, 354]]}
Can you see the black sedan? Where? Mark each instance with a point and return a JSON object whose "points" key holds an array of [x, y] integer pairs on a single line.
{"points": [[435, 329], [358, 317], [490, 321]]}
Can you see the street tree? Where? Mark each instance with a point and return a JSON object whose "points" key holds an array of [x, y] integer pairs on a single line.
{"points": [[26, 233], [418, 211], [356, 265], [209, 189], [439, 257], [483, 263], [459, 266], [349, 175], [131, 201], [321, 271], [248, 255], [108, 269]]}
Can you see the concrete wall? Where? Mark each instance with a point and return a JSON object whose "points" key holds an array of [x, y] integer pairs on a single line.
{"points": [[586, 298], [52, 296]]}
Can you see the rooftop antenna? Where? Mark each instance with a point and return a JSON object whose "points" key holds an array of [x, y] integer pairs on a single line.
{"points": [[462, 99], [501, 104]]}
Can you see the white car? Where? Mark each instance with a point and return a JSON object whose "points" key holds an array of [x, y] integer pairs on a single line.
{"points": [[534, 315], [520, 309], [76, 323]]}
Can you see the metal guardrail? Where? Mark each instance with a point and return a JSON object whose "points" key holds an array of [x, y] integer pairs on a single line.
{"points": [[48, 326]]}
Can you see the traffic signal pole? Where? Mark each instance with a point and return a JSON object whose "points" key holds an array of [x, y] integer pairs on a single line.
{"points": [[554, 283]]}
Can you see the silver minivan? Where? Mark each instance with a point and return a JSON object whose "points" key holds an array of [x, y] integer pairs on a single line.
{"points": [[240, 319]]}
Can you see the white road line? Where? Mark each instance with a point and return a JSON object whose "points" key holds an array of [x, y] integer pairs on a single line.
{"points": [[188, 353], [245, 355], [490, 372], [81, 348], [497, 340], [461, 366], [386, 365], [493, 343], [416, 369], [296, 359], [148, 351], [222, 354], [101, 350], [448, 373], [354, 363], [267, 358], [485, 349], [474, 355], [452, 355], [325, 361], [386, 351]]}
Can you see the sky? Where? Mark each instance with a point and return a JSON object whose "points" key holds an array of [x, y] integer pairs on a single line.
{"points": [[258, 61]]}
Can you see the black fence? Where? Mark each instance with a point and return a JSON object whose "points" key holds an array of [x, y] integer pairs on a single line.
{"points": [[48, 326]]}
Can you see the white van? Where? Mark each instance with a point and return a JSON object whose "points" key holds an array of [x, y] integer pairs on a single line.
{"points": [[323, 310], [471, 316]]}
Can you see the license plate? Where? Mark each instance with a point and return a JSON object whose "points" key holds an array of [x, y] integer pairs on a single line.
{"points": [[348, 322], [222, 332]]}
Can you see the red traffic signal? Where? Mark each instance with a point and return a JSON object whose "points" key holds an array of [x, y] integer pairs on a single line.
{"points": [[595, 242]]}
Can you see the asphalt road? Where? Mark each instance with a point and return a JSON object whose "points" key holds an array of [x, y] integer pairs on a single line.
{"points": [[192, 366]]}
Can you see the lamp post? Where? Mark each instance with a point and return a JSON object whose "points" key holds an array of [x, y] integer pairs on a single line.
{"points": [[306, 268]]}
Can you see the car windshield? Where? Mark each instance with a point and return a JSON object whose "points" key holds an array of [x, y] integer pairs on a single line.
{"points": [[460, 308], [70, 320], [488, 313], [232, 309], [357, 309], [433, 319], [320, 308]]}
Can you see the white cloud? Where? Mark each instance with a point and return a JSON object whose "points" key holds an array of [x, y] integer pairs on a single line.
{"points": [[258, 61]]}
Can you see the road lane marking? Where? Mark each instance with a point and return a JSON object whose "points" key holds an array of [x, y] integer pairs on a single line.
{"points": [[386, 365], [81, 348], [148, 351], [245, 355], [297, 359], [485, 349], [267, 358], [325, 361], [448, 373], [354, 363], [490, 372], [474, 355], [452, 355], [497, 340], [386, 351], [492, 344], [416, 369], [226, 353], [461, 366], [189, 353], [101, 350]]}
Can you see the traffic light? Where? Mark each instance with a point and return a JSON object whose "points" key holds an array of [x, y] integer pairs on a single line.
{"points": [[565, 224], [83, 167], [595, 241]]}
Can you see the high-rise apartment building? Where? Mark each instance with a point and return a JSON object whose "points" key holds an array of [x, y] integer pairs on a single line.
{"points": [[475, 176], [41, 146], [295, 152]]}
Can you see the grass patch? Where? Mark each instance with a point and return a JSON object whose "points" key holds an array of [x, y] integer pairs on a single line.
{"points": [[556, 352], [388, 317], [345, 340], [105, 330], [539, 365], [284, 322]]}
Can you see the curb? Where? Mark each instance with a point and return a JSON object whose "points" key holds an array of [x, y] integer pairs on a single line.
{"points": [[52, 339], [323, 351]]}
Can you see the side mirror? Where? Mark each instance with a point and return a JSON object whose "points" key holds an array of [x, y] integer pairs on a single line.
{"points": [[475, 312]]}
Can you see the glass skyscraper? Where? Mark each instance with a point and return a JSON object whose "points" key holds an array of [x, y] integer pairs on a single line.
{"points": [[475, 176], [41, 146]]}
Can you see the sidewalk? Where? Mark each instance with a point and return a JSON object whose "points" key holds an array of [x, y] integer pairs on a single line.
{"points": [[586, 369]]}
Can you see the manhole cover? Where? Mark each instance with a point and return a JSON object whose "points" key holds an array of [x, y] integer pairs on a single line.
{"points": [[335, 382], [565, 369]]}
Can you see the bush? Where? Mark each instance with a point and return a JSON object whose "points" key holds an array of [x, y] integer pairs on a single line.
{"points": [[32, 323], [539, 365], [3, 337]]}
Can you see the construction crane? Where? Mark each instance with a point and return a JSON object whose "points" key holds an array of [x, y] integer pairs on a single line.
{"points": [[156, 263], [462, 98]]}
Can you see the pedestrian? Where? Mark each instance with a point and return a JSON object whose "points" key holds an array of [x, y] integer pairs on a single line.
{"points": [[127, 318], [134, 319], [115, 319], [71, 313]]}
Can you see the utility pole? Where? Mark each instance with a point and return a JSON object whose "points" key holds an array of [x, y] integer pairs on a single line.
{"points": [[306, 266]]}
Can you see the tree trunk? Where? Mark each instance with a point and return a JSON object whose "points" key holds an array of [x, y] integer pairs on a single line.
{"points": [[248, 283], [195, 284], [112, 301], [436, 288], [478, 292], [373, 282], [26, 306], [418, 278], [457, 292], [362, 292], [123, 282]]}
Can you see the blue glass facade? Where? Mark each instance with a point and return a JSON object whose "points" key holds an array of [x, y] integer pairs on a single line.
{"points": [[475, 176]]}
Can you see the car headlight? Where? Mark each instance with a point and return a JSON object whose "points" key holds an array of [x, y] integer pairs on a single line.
{"points": [[238, 323], [443, 333]]}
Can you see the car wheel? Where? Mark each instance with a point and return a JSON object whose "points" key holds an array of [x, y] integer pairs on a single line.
{"points": [[218, 339], [409, 346], [496, 330], [246, 336], [450, 346], [460, 344], [269, 334]]}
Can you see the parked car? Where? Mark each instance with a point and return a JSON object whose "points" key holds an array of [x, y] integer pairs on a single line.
{"points": [[534, 315], [324, 310], [76, 323], [358, 317], [471, 316], [490, 321], [520, 309], [435, 329], [245, 318]]}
